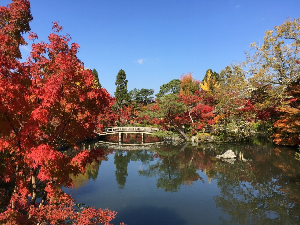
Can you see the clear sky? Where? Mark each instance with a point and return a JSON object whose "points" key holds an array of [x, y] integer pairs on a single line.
{"points": [[155, 41]]}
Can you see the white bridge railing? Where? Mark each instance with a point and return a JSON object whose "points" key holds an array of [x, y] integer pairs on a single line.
{"points": [[113, 130]]}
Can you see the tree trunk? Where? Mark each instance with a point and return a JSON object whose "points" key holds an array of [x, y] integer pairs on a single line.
{"points": [[179, 130], [191, 117], [15, 188], [33, 182]]}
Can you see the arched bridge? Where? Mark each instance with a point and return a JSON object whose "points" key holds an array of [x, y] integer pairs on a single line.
{"points": [[115, 130], [126, 130]]}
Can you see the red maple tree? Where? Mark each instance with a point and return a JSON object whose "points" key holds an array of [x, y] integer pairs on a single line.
{"points": [[46, 103]]}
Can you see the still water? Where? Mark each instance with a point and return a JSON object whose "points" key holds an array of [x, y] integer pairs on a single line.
{"points": [[188, 185]]}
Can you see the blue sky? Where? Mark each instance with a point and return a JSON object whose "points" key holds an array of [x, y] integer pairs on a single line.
{"points": [[159, 40]]}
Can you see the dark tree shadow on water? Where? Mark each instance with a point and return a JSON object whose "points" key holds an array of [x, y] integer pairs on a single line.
{"points": [[148, 215]]}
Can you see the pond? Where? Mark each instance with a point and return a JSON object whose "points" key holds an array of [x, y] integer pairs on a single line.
{"points": [[188, 185]]}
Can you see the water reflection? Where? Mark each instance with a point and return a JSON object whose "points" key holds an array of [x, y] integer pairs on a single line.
{"points": [[91, 172], [177, 166], [122, 159], [154, 215], [262, 191], [130, 138], [261, 186]]}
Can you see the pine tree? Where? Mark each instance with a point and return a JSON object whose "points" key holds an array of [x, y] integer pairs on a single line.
{"points": [[121, 94], [96, 80], [173, 87]]}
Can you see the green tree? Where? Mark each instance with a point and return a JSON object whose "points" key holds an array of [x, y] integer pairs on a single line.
{"points": [[173, 87], [143, 96], [275, 61], [133, 94], [233, 78], [96, 80], [121, 94], [168, 108]]}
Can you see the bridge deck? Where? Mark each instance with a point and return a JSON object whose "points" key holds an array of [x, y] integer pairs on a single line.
{"points": [[115, 130]]}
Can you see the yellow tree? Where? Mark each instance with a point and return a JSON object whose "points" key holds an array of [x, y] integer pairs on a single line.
{"points": [[209, 84]]}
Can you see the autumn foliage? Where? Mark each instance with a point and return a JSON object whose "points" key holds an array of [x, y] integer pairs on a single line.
{"points": [[288, 125], [46, 103], [245, 100], [188, 84], [49, 102]]}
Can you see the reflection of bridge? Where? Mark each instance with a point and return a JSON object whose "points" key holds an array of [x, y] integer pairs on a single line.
{"points": [[119, 146], [127, 130]]}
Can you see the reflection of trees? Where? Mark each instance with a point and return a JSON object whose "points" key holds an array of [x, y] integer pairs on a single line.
{"points": [[254, 203], [91, 169], [143, 156], [122, 159], [262, 190], [64, 173], [91, 172], [169, 175], [259, 191], [174, 168]]}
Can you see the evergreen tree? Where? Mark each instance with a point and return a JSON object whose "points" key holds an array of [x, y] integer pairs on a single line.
{"points": [[121, 94], [143, 96], [96, 80], [133, 94], [173, 87]]}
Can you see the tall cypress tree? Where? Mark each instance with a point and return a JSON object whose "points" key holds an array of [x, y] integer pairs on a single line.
{"points": [[121, 94], [97, 82]]}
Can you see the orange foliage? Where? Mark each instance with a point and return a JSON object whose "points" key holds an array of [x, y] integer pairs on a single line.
{"points": [[288, 125], [188, 84]]}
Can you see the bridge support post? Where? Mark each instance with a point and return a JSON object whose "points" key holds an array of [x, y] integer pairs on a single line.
{"points": [[142, 138], [120, 138]]}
